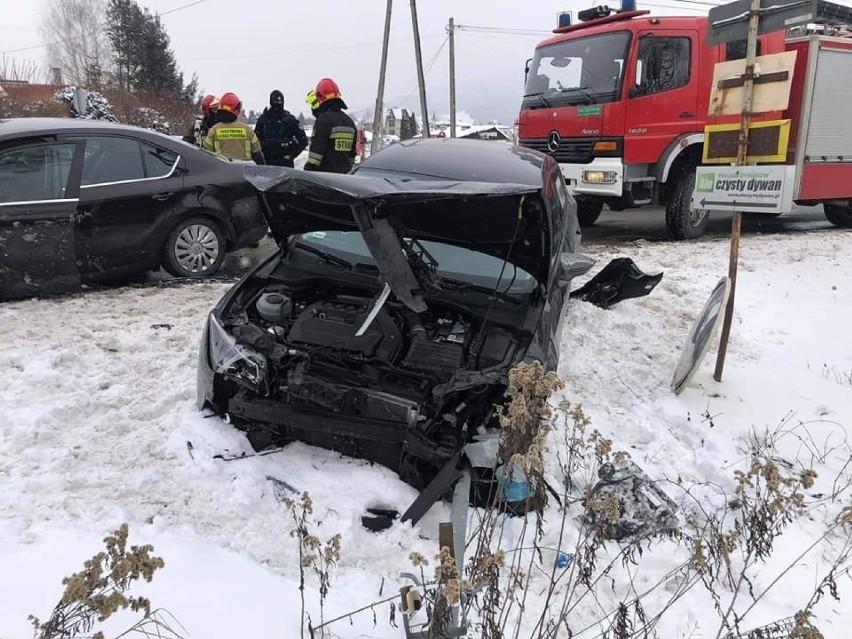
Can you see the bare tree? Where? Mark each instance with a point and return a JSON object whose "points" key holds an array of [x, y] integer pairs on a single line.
{"points": [[76, 40], [14, 71]]}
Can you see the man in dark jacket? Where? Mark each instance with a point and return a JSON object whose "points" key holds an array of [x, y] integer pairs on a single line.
{"points": [[279, 132], [333, 141]]}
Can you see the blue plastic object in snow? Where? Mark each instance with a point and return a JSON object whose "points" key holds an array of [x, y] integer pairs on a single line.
{"points": [[513, 483], [564, 559]]}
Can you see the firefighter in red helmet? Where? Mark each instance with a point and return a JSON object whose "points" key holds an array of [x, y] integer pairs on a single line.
{"points": [[203, 123], [333, 142], [229, 136]]}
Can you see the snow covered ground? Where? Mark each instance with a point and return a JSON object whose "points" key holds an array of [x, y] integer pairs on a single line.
{"points": [[97, 406]]}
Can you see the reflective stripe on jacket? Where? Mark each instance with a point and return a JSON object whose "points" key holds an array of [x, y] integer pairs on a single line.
{"points": [[235, 140], [333, 142]]}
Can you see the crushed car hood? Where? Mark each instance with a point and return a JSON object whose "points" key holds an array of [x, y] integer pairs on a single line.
{"points": [[498, 219]]}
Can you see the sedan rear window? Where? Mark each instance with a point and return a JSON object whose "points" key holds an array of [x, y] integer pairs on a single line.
{"points": [[158, 162], [35, 173], [111, 159]]}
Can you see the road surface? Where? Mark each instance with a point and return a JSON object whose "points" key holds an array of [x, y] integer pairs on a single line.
{"points": [[649, 223]]}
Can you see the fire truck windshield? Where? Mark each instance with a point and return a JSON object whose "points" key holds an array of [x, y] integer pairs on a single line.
{"points": [[584, 70]]}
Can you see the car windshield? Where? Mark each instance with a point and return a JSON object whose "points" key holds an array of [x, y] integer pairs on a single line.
{"points": [[456, 265], [580, 71]]}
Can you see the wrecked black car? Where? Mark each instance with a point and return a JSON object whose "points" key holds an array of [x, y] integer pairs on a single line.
{"points": [[86, 202], [401, 296]]}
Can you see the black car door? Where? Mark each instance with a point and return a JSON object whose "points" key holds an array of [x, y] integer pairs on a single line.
{"points": [[128, 192], [39, 184]]}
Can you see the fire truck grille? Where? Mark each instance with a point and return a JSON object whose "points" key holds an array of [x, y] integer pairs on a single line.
{"points": [[569, 151]]}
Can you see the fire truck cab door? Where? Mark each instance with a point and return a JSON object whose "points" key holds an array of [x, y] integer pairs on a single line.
{"points": [[662, 93]]}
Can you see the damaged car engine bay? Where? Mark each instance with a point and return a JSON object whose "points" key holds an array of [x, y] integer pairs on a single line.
{"points": [[408, 393]]}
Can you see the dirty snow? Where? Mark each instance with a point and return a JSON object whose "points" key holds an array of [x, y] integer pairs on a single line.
{"points": [[97, 407]]}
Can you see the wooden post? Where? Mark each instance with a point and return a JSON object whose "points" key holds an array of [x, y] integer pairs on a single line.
{"points": [[452, 31], [742, 155], [421, 80], [377, 116]]}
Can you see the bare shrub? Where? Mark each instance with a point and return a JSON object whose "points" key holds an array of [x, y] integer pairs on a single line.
{"points": [[102, 588]]}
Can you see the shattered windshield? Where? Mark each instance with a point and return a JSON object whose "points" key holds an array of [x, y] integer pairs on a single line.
{"points": [[581, 71], [454, 263]]}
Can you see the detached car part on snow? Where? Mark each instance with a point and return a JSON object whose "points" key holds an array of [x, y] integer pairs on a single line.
{"points": [[386, 325]]}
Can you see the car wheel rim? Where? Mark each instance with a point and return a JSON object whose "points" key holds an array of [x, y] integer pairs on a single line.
{"points": [[196, 248]]}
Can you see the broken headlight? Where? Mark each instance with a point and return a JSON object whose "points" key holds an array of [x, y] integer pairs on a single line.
{"points": [[231, 359]]}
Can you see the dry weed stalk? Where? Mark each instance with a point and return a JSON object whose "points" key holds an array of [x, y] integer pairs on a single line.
{"points": [[723, 545], [101, 589], [314, 556]]}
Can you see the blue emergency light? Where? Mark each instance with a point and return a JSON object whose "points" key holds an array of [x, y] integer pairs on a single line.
{"points": [[563, 19], [628, 5]]}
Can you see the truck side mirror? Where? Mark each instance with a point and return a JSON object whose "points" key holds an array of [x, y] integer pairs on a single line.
{"points": [[527, 69]]}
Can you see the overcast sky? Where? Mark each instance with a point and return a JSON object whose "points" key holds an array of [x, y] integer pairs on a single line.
{"points": [[253, 46]]}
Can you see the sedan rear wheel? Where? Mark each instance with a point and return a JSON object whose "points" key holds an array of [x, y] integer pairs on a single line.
{"points": [[195, 248]]}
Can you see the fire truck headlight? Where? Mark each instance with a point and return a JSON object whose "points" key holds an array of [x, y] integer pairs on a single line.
{"points": [[600, 177]]}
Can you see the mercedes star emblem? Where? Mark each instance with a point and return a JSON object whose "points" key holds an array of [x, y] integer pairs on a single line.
{"points": [[553, 141]]}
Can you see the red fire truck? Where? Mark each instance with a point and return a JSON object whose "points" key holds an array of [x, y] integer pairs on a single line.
{"points": [[621, 101]]}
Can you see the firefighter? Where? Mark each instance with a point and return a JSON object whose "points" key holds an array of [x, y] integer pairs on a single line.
{"points": [[333, 141], [229, 136], [281, 136], [202, 124]]}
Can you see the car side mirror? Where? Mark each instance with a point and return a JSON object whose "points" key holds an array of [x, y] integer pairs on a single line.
{"points": [[573, 265]]}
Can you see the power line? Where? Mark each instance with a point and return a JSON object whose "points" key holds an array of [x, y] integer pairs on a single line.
{"points": [[183, 6], [72, 38], [353, 45], [502, 30], [401, 97], [41, 46]]}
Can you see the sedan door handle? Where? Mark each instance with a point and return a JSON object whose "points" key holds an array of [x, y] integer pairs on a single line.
{"points": [[162, 197]]}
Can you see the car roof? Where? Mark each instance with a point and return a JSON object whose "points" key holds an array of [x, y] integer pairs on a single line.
{"points": [[459, 159], [31, 127]]}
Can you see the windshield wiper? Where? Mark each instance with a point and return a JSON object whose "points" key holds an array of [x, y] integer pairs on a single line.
{"points": [[326, 257], [543, 99], [458, 286], [585, 91]]}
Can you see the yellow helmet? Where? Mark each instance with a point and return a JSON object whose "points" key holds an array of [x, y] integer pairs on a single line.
{"points": [[312, 100]]}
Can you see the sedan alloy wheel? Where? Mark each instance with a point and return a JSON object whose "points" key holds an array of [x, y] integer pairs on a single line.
{"points": [[196, 248]]}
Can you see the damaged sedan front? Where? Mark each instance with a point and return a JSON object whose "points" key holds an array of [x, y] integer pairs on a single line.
{"points": [[386, 325]]}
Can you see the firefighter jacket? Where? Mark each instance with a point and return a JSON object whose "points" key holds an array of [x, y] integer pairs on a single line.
{"points": [[235, 140], [280, 135], [333, 142]]}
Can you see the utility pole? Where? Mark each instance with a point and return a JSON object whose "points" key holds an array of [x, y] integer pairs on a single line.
{"points": [[742, 155], [377, 115], [451, 30], [421, 81]]}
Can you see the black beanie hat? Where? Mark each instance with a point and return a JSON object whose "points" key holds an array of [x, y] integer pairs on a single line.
{"points": [[276, 97]]}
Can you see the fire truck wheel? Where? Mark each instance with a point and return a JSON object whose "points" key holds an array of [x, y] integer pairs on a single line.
{"points": [[682, 221], [588, 211], [838, 215]]}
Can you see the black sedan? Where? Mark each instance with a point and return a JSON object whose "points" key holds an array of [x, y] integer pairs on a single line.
{"points": [[84, 201], [386, 325]]}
